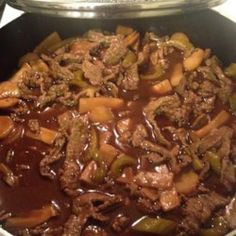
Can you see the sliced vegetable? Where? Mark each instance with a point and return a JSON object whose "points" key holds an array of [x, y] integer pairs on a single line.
{"points": [[181, 41], [154, 225], [101, 114], [124, 30], [194, 60], [158, 72], [169, 199], [32, 218], [209, 232], [9, 89], [230, 71], [120, 163], [99, 174], [48, 42], [108, 153], [87, 173], [219, 120], [161, 178], [28, 58], [232, 102], [197, 164], [60, 44], [39, 66], [88, 104], [6, 126], [79, 79], [187, 182], [162, 87], [93, 146], [177, 74], [89, 92], [16, 133], [8, 102], [45, 135], [214, 161], [17, 77], [130, 39], [129, 59], [8, 175]]}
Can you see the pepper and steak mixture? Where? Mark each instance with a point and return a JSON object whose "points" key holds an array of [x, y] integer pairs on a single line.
{"points": [[118, 134]]}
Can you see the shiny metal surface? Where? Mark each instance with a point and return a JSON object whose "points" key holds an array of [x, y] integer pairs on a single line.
{"points": [[112, 8]]}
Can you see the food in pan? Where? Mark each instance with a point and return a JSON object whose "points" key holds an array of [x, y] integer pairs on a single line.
{"points": [[118, 134]]}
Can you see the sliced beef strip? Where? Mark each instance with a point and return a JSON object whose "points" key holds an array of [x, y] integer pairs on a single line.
{"points": [[58, 72], [156, 106], [64, 121], [93, 230], [94, 72], [151, 157], [165, 154], [207, 89], [198, 210], [228, 174], [143, 55], [57, 92], [131, 78], [178, 134], [147, 206], [54, 155], [68, 59], [120, 222], [225, 84], [89, 205], [139, 135], [70, 172], [75, 224], [139, 140], [224, 150], [215, 139], [115, 52]]}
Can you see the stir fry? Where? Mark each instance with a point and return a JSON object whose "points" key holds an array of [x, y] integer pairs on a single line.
{"points": [[118, 134]]}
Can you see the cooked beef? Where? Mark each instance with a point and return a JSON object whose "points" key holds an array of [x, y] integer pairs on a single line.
{"points": [[139, 135], [54, 155], [57, 71], [115, 52], [152, 109], [131, 78], [215, 139], [198, 210], [120, 223], [147, 206], [69, 175], [228, 174], [75, 224], [94, 72], [90, 205]]}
